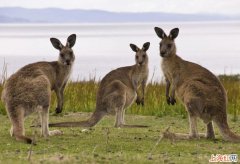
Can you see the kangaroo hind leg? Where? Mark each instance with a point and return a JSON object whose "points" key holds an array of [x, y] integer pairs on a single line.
{"points": [[194, 108], [120, 112], [17, 130], [210, 131], [193, 134], [193, 127], [44, 115], [119, 118], [117, 101]]}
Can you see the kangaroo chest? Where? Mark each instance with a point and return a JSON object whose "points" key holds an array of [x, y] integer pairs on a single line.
{"points": [[139, 77], [170, 70], [166, 70], [63, 76]]}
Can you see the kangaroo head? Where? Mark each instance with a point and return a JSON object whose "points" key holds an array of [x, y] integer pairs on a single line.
{"points": [[66, 55], [141, 57], [167, 44]]}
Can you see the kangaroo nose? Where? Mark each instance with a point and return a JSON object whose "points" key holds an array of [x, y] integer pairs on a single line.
{"points": [[68, 62], [163, 53], [140, 62]]}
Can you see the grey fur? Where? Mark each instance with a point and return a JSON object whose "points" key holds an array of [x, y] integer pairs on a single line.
{"points": [[29, 89]]}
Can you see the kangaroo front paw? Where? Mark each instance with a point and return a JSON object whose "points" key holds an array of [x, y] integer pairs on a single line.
{"points": [[55, 133], [168, 100], [58, 110], [171, 100], [140, 101], [194, 136]]}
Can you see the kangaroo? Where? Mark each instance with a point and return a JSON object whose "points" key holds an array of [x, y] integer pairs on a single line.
{"points": [[118, 90], [29, 90], [200, 90]]}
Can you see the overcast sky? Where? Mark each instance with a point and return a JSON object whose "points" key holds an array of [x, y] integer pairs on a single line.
{"points": [[226, 7]]}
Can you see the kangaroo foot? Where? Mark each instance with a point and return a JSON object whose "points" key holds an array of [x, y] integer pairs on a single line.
{"points": [[210, 136], [58, 110], [194, 136], [140, 101], [171, 101], [55, 133]]}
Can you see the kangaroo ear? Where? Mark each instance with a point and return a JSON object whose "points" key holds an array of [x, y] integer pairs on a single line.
{"points": [[71, 40], [146, 46], [56, 43], [134, 47], [160, 33], [173, 33]]}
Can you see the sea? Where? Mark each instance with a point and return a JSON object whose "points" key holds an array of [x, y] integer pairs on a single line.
{"points": [[103, 47]]}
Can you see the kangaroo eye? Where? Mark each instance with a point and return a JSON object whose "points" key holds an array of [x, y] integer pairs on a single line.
{"points": [[144, 56], [169, 45], [71, 54], [136, 57], [61, 54]]}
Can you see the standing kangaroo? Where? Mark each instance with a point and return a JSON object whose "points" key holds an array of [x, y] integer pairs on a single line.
{"points": [[117, 91], [200, 91], [29, 89]]}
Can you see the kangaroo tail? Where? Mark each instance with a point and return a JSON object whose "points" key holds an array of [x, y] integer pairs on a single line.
{"points": [[24, 139], [225, 131], [134, 126], [93, 120]]}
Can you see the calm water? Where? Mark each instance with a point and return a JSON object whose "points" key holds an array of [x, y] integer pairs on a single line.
{"points": [[103, 47]]}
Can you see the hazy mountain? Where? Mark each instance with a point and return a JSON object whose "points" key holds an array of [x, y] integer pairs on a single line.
{"points": [[5, 19], [55, 15]]}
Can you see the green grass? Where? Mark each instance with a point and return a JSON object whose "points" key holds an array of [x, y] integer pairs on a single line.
{"points": [[106, 144], [81, 97]]}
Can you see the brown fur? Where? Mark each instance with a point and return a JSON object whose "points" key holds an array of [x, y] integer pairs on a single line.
{"points": [[200, 90], [118, 90], [29, 89]]}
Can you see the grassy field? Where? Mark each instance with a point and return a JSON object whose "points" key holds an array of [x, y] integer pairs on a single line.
{"points": [[105, 144]]}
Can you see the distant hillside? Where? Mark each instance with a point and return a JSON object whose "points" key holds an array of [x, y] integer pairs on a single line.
{"points": [[5, 19], [55, 15]]}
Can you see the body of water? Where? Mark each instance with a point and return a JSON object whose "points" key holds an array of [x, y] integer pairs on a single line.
{"points": [[102, 47]]}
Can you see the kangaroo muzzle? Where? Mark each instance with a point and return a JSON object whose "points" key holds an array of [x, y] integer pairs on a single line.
{"points": [[163, 53]]}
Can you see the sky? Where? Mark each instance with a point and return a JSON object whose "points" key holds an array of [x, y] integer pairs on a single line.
{"points": [[224, 7]]}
